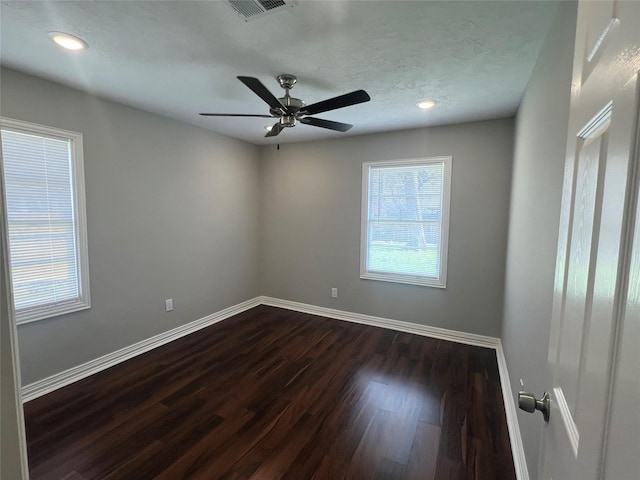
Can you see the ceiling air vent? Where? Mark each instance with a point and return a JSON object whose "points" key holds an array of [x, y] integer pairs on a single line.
{"points": [[252, 9]]}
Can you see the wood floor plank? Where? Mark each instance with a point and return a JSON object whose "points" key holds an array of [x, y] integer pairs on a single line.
{"points": [[277, 394], [424, 452]]}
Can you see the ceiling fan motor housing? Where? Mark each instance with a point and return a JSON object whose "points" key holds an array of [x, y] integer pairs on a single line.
{"points": [[293, 104]]}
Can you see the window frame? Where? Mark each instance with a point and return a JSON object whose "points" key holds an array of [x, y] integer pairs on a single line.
{"points": [[83, 301], [441, 280]]}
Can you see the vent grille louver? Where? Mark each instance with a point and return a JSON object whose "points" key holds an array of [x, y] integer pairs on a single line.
{"points": [[271, 4], [252, 9]]}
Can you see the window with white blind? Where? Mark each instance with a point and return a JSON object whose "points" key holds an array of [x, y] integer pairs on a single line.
{"points": [[405, 221], [43, 177]]}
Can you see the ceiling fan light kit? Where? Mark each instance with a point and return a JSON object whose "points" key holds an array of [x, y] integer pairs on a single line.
{"points": [[290, 110]]}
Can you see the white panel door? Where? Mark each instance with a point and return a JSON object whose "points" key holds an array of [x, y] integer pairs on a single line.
{"points": [[595, 237]]}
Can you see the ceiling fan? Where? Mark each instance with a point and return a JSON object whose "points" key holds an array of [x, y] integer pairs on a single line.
{"points": [[289, 110]]}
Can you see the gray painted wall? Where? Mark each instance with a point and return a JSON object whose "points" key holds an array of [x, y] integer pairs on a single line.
{"points": [[310, 225], [540, 142], [172, 213]]}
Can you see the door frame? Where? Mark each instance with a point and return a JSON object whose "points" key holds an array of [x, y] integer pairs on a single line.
{"points": [[8, 325]]}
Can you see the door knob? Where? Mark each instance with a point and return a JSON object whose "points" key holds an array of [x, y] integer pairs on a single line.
{"points": [[528, 403]]}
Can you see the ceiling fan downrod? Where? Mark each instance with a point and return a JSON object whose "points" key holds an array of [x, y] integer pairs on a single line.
{"points": [[288, 118]]}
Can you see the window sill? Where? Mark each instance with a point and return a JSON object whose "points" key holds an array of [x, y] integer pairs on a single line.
{"points": [[36, 314], [406, 279]]}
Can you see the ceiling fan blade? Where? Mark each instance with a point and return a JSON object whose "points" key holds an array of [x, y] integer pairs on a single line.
{"points": [[319, 122], [275, 130], [259, 89], [346, 100], [235, 115]]}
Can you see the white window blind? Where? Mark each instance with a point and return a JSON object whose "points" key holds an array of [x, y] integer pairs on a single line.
{"points": [[45, 241], [405, 221]]}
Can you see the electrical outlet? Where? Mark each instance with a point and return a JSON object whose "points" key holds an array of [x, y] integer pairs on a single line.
{"points": [[168, 305], [334, 293]]}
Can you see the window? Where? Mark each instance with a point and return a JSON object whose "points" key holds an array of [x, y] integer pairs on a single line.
{"points": [[405, 221], [44, 195]]}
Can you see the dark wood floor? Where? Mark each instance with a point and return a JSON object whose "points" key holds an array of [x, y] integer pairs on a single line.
{"points": [[273, 394]]}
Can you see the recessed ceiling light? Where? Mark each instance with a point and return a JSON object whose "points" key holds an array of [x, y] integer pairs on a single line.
{"points": [[67, 41], [268, 127], [425, 104]]}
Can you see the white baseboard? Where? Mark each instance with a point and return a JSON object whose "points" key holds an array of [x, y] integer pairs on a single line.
{"points": [[424, 330], [62, 379], [517, 448]]}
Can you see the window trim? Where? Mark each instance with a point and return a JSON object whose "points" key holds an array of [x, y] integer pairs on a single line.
{"points": [[83, 302], [441, 281]]}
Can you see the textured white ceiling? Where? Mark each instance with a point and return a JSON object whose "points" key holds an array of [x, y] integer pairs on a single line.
{"points": [[178, 58]]}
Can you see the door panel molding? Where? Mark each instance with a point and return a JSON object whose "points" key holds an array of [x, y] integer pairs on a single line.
{"points": [[598, 121], [567, 419]]}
